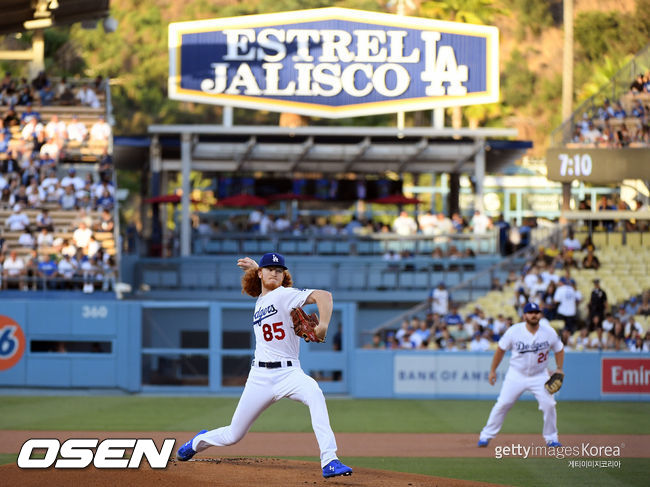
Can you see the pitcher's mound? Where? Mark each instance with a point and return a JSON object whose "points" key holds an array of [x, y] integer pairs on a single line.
{"points": [[223, 472]]}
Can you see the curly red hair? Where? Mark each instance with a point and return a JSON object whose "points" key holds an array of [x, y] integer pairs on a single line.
{"points": [[251, 283]]}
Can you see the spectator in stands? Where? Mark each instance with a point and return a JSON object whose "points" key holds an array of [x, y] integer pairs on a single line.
{"points": [[77, 130], [106, 223], [67, 269], [638, 84], [109, 273], [49, 151], [106, 201], [68, 200], [47, 270], [377, 343], [81, 235], [480, 342], [35, 194], [571, 242], [13, 272], [644, 308], [100, 131], [72, 179], [504, 231], [598, 341], [480, 223], [521, 298], [26, 239], [549, 306], [590, 261], [44, 238], [632, 306], [567, 299], [597, 305], [25, 96], [404, 224], [427, 223], [17, 221], [86, 96], [453, 318]]}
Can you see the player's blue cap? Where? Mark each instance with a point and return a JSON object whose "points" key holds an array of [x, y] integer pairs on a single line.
{"points": [[531, 308], [272, 260]]}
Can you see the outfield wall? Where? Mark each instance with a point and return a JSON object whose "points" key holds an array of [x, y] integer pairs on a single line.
{"points": [[170, 347]]}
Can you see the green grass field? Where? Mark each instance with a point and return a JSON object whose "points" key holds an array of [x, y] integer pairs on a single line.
{"points": [[147, 413]]}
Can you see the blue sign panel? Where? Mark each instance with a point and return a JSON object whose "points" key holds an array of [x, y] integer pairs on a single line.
{"points": [[333, 62]]}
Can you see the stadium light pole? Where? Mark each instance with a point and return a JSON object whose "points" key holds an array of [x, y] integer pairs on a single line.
{"points": [[567, 84]]}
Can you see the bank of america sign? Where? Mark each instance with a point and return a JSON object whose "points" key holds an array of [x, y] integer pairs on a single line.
{"points": [[333, 62]]}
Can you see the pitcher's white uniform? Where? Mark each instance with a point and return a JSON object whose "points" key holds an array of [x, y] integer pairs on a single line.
{"points": [[527, 371], [276, 343]]}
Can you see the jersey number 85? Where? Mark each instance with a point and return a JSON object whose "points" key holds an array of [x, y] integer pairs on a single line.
{"points": [[273, 331]]}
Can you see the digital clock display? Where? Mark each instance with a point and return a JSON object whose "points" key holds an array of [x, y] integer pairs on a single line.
{"points": [[578, 165], [596, 165]]}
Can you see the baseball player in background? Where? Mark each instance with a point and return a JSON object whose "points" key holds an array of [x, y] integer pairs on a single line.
{"points": [[531, 343], [275, 372]]}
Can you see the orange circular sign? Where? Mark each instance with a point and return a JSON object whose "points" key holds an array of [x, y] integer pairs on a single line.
{"points": [[12, 343]]}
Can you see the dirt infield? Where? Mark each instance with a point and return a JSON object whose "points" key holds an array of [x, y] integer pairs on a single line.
{"points": [[226, 472], [350, 444], [213, 468]]}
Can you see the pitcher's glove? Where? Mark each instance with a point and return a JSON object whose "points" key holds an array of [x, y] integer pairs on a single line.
{"points": [[554, 383], [304, 324]]}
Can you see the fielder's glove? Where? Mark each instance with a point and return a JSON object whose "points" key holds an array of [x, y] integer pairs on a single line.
{"points": [[554, 383], [304, 324]]}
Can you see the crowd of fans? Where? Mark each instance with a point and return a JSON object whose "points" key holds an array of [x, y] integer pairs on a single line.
{"points": [[33, 148], [622, 123], [545, 280]]}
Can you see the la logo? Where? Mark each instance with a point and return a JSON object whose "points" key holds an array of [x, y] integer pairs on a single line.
{"points": [[275, 258]]}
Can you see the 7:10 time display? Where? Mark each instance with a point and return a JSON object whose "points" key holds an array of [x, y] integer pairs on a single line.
{"points": [[578, 165]]}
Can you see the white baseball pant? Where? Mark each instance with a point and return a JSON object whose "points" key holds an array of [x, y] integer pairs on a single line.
{"points": [[263, 388], [514, 386]]}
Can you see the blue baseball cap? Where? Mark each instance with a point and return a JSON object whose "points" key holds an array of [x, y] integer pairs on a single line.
{"points": [[272, 260], [532, 308]]}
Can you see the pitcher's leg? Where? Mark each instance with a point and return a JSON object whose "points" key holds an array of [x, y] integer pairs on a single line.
{"points": [[306, 390], [510, 391], [257, 396], [546, 403]]}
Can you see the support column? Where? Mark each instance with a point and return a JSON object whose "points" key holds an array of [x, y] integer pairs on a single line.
{"points": [[479, 175], [453, 197], [155, 162], [186, 165], [38, 48], [227, 113], [438, 118], [567, 88]]}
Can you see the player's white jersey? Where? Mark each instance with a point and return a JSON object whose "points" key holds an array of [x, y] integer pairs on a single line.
{"points": [[274, 336], [530, 351]]}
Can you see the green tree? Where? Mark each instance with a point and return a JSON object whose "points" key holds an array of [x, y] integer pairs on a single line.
{"points": [[518, 81], [470, 11]]}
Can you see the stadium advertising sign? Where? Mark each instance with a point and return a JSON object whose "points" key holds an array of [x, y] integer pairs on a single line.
{"points": [[333, 62], [625, 376], [597, 165], [445, 374]]}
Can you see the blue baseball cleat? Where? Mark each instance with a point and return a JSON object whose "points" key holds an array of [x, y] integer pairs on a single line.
{"points": [[554, 444], [336, 468], [186, 451], [482, 443]]}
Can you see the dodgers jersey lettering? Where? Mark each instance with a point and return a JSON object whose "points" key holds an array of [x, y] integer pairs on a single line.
{"points": [[530, 351], [274, 336]]}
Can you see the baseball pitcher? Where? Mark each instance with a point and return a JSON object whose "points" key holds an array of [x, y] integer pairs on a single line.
{"points": [[279, 324]]}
